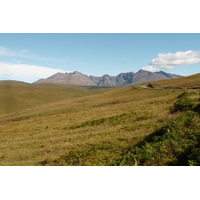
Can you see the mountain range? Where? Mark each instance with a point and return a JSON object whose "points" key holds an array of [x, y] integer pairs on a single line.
{"points": [[123, 79]]}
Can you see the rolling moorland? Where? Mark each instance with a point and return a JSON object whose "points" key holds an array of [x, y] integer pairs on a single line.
{"points": [[47, 124]]}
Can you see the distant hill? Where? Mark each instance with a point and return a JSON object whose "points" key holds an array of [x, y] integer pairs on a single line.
{"points": [[123, 79], [12, 82], [16, 95]]}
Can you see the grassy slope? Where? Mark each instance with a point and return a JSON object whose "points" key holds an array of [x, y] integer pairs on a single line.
{"points": [[192, 81], [90, 130], [19, 83], [16, 96]]}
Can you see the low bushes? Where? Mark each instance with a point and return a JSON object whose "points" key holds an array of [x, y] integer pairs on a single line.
{"points": [[165, 146], [184, 103], [177, 143]]}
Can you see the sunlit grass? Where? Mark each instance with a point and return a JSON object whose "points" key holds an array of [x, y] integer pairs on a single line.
{"points": [[89, 130]]}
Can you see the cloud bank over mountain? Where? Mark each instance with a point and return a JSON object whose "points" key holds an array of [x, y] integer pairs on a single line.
{"points": [[171, 60]]}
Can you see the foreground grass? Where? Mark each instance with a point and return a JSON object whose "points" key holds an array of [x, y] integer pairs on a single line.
{"points": [[102, 129], [176, 143], [91, 130]]}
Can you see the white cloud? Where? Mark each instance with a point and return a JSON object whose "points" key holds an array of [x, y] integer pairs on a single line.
{"points": [[150, 68], [24, 53], [171, 60], [25, 72], [5, 52]]}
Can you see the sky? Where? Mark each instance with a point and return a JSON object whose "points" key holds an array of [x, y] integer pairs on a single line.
{"points": [[31, 56]]}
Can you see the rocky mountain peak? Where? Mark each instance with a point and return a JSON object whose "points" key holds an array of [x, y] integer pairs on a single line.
{"points": [[122, 79]]}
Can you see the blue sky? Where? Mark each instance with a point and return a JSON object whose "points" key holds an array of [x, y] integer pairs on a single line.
{"points": [[30, 56]]}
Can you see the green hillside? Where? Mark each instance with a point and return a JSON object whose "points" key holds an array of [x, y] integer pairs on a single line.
{"points": [[124, 126], [11, 82], [16, 95], [189, 82]]}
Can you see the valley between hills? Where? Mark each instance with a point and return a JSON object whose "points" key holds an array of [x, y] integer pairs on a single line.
{"points": [[49, 124]]}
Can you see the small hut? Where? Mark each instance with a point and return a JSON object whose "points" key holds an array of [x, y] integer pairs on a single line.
{"points": [[150, 85]]}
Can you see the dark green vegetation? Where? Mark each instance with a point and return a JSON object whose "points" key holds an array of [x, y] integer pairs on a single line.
{"points": [[174, 144], [184, 103], [123, 126]]}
